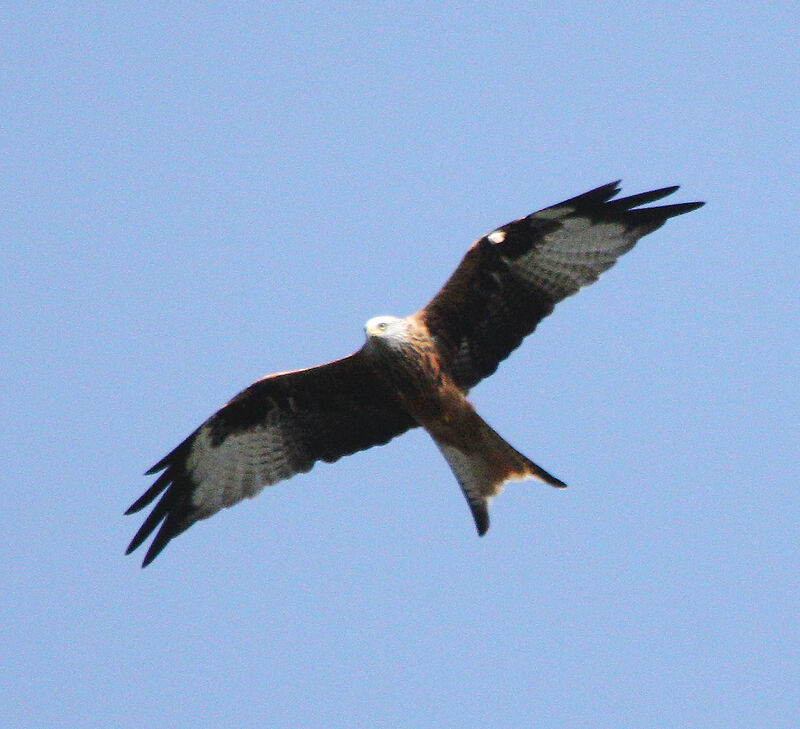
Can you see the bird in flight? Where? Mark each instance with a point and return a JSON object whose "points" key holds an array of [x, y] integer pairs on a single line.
{"points": [[411, 372]]}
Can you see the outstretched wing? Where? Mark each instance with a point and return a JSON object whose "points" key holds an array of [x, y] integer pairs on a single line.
{"points": [[512, 278], [279, 426]]}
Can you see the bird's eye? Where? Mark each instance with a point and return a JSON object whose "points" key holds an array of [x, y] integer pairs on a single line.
{"points": [[382, 326]]}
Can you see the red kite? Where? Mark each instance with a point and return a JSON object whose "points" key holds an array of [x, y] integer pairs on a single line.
{"points": [[410, 372]]}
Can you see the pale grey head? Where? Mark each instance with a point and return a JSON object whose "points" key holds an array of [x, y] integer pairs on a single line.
{"points": [[387, 331]]}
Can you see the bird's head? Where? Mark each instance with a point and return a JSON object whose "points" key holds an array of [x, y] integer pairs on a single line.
{"points": [[386, 330]]}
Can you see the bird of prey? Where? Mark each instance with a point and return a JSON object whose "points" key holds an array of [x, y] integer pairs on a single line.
{"points": [[410, 372]]}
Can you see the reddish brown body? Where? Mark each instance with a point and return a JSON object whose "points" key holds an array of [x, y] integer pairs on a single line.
{"points": [[480, 459]]}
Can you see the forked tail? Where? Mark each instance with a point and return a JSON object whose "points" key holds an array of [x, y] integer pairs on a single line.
{"points": [[483, 463]]}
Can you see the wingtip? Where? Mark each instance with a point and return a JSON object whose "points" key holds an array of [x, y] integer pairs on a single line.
{"points": [[153, 551], [160, 466], [170, 528], [148, 558], [609, 189], [671, 211], [596, 196], [137, 540]]}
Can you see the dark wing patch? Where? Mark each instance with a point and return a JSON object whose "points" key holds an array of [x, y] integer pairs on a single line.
{"points": [[513, 277], [279, 426]]}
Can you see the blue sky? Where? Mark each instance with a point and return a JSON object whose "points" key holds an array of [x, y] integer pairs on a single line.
{"points": [[196, 195]]}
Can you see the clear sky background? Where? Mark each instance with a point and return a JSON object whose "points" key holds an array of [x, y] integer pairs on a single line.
{"points": [[194, 195]]}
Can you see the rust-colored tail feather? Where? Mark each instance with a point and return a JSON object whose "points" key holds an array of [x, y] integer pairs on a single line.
{"points": [[483, 463]]}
